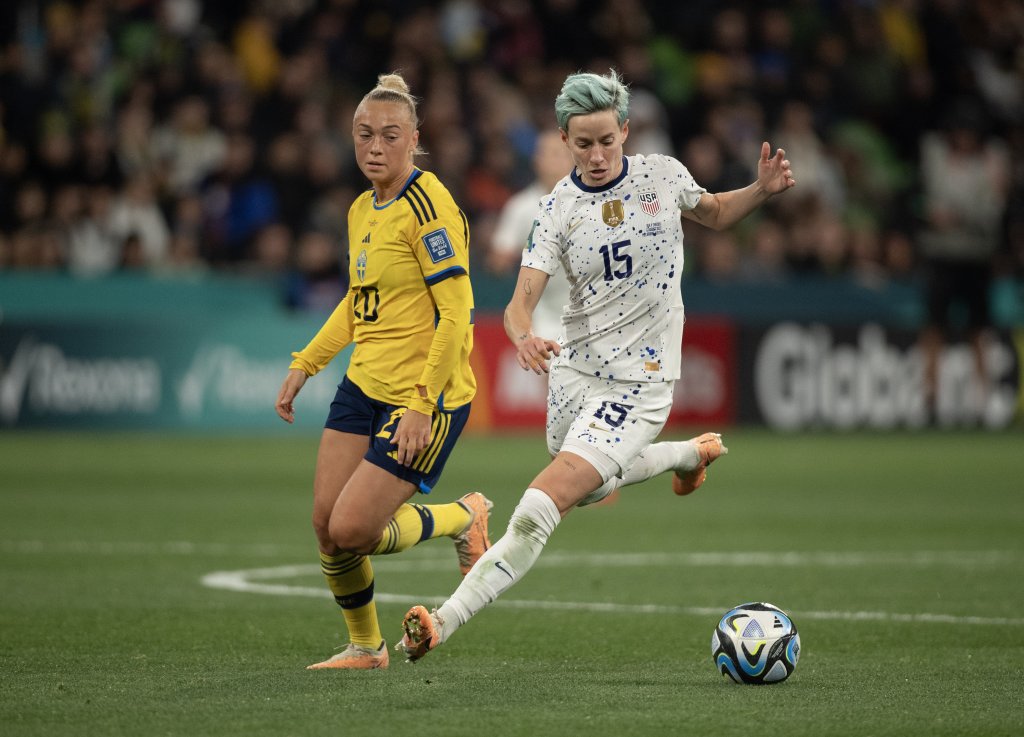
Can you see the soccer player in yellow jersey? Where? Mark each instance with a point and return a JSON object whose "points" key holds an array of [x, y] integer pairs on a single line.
{"points": [[406, 395]]}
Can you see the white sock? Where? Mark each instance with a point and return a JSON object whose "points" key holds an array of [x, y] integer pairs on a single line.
{"points": [[657, 458], [508, 560]]}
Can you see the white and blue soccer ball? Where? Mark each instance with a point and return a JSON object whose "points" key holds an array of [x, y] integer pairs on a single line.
{"points": [[756, 643]]}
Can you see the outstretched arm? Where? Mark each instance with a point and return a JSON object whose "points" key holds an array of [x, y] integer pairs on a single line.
{"points": [[725, 209]]}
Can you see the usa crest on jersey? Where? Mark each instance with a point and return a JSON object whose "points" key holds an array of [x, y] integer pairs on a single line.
{"points": [[649, 202]]}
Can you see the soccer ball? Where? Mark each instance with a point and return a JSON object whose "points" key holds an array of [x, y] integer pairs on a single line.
{"points": [[756, 643]]}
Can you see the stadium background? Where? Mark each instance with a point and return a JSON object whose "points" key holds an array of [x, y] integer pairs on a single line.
{"points": [[174, 178], [157, 573]]}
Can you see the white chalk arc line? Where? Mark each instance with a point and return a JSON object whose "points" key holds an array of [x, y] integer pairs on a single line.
{"points": [[254, 581], [428, 560]]}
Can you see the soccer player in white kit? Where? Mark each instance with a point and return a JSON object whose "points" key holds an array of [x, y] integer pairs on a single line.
{"points": [[551, 162], [614, 226]]}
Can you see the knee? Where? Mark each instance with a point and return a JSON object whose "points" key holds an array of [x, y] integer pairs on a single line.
{"points": [[351, 536], [322, 530]]}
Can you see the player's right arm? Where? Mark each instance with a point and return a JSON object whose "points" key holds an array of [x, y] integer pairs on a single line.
{"points": [[532, 352], [290, 388], [335, 334]]}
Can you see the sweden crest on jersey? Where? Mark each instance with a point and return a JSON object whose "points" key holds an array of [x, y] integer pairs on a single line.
{"points": [[361, 265]]}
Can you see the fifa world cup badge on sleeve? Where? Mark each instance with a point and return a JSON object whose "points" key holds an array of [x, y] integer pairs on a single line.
{"points": [[438, 245]]}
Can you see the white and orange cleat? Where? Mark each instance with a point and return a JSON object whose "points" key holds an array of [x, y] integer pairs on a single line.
{"points": [[422, 633], [709, 447], [356, 657], [473, 542]]}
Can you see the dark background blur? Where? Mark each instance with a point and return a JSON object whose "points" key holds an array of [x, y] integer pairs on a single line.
{"points": [[181, 140], [182, 135]]}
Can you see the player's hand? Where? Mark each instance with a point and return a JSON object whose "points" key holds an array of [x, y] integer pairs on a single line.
{"points": [[534, 353], [293, 383], [773, 172], [412, 434]]}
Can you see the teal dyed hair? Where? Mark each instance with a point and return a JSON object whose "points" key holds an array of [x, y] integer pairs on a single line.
{"points": [[584, 93]]}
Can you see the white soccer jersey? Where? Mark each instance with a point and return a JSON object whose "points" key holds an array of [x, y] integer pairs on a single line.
{"points": [[512, 232], [621, 246]]}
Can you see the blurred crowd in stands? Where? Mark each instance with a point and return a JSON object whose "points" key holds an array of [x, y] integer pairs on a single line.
{"points": [[179, 136]]}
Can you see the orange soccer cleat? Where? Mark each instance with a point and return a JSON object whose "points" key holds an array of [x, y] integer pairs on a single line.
{"points": [[356, 657], [422, 630], [473, 542], [709, 447]]}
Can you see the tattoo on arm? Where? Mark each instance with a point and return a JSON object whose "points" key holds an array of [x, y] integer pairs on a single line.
{"points": [[527, 287]]}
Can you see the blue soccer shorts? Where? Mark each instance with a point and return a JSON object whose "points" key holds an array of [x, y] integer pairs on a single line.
{"points": [[354, 412]]}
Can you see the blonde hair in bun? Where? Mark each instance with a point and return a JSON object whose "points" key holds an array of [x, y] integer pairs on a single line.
{"points": [[393, 88]]}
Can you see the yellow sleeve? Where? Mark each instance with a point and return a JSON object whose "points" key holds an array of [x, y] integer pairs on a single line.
{"points": [[454, 300], [335, 334]]}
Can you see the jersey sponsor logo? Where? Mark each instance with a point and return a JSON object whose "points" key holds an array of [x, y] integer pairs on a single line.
{"points": [[361, 265], [612, 213], [438, 245], [649, 202]]}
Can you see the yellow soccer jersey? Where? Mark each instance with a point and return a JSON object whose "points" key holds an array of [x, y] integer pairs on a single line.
{"points": [[409, 308]]}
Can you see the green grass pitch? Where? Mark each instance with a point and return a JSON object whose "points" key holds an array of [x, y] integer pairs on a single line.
{"points": [[166, 585]]}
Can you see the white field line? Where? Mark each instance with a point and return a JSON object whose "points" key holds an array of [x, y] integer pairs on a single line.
{"points": [[252, 581], [430, 561]]}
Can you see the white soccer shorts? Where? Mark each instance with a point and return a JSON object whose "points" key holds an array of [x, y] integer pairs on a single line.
{"points": [[606, 422]]}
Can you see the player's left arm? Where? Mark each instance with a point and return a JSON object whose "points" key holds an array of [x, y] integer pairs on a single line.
{"points": [[443, 253], [453, 298], [725, 209], [444, 258]]}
